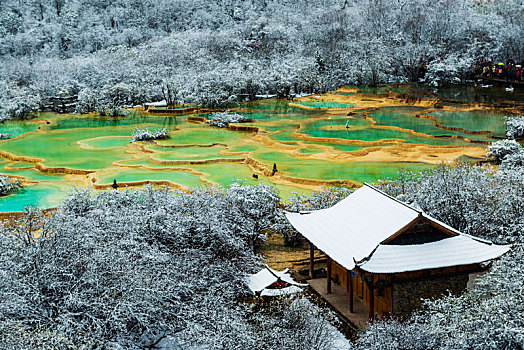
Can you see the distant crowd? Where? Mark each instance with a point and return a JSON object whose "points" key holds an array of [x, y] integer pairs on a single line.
{"points": [[511, 70]]}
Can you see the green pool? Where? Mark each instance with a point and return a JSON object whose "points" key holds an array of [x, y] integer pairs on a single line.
{"points": [[55, 153]]}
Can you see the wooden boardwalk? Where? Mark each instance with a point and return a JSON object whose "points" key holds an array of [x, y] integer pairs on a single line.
{"points": [[339, 300], [502, 81]]}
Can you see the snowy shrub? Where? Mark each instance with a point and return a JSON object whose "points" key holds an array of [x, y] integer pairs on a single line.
{"points": [[8, 185], [133, 269], [5, 136], [297, 323], [514, 160], [105, 109], [17, 102], [145, 134], [454, 69], [257, 206], [393, 335], [87, 101], [500, 149], [324, 198], [515, 127], [222, 119]]}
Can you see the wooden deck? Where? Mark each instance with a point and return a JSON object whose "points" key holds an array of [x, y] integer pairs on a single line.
{"points": [[339, 300]]}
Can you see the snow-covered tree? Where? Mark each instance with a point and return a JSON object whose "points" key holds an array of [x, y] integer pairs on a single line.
{"points": [[214, 53], [145, 134], [16, 102], [515, 127], [501, 149], [222, 119], [137, 269], [8, 185]]}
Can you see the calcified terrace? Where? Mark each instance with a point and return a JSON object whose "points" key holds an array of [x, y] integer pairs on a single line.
{"points": [[344, 137]]}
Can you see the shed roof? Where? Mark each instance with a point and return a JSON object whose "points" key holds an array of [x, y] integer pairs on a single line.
{"points": [[282, 291], [353, 229], [259, 281], [262, 279]]}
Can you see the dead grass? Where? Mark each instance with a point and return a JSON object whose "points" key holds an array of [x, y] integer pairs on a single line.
{"points": [[280, 257]]}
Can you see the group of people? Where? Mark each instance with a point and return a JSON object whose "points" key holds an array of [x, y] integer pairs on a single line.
{"points": [[509, 71]]}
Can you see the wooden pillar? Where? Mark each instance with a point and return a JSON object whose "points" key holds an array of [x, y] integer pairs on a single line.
{"points": [[392, 284], [371, 313], [311, 260], [350, 290], [328, 279]]}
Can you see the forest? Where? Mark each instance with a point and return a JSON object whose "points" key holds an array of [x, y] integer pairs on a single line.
{"points": [[126, 52]]}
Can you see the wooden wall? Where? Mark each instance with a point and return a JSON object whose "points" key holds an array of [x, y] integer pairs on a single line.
{"points": [[382, 302], [383, 297]]}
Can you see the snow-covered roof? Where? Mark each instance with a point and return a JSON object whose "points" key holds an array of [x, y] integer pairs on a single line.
{"points": [[453, 251], [259, 281], [353, 229], [274, 292], [162, 103]]}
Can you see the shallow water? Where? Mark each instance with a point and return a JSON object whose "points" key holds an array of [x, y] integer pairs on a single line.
{"points": [[481, 120], [16, 128], [324, 104], [61, 151]]}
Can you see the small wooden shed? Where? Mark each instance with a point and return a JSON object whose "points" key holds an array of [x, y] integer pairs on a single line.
{"points": [[268, 282], [390, 254]]}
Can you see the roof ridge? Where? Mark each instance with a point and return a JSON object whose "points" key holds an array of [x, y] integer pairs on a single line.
{"points": [[366, 258], [393, 198], [273, 272]]}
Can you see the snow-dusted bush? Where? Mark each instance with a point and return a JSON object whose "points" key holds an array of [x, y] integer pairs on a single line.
{"points": [[515, 127], [500, 149], [130, 269], [297, 323], [454, 69], [17, 102], [514, 160], [8, 185], [222, 119], [324, 198], [145, 134], [87, 101], [258, 207], [5, 136]]}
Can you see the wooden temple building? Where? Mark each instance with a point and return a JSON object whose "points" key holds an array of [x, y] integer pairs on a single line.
{"points": [[389, 255]]}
